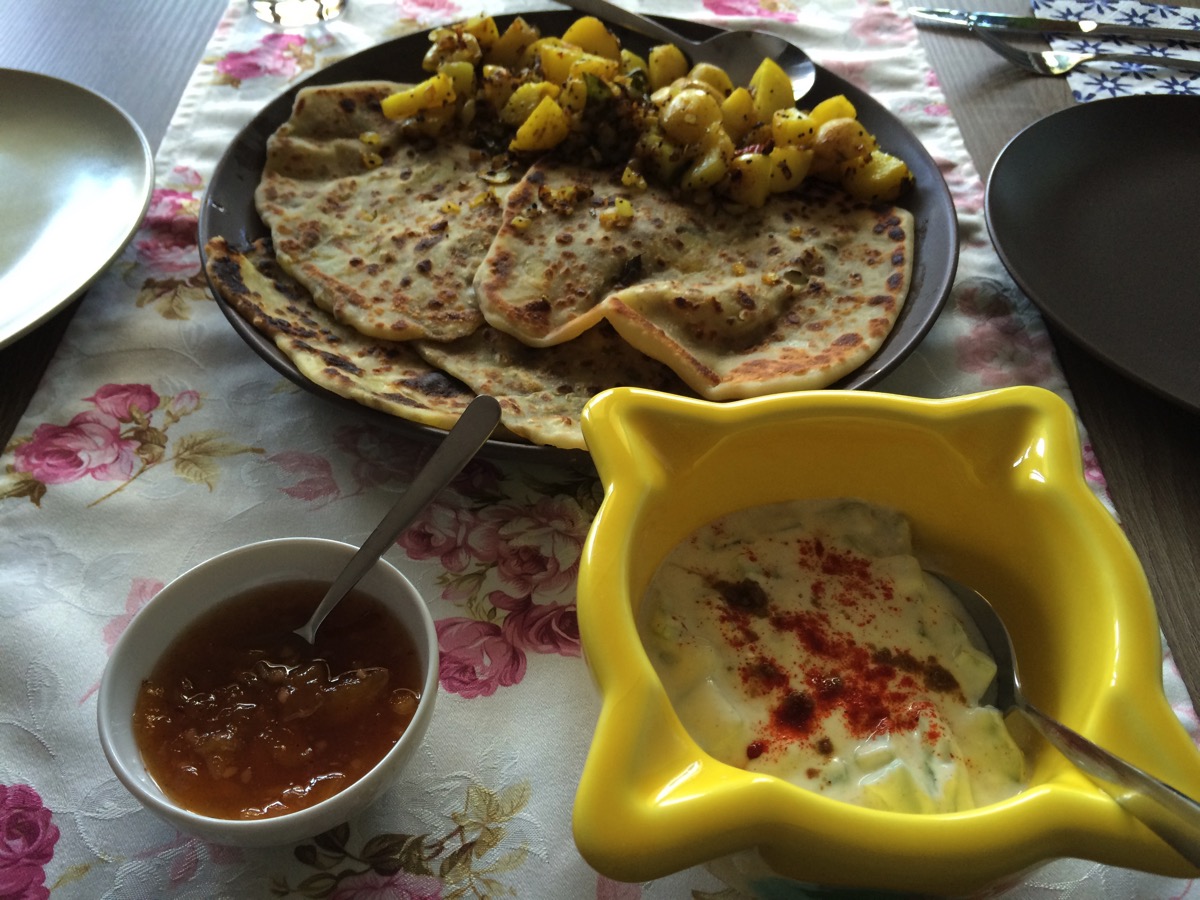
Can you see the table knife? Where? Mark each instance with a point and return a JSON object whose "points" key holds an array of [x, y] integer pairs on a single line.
{"points": [[1006, 24]]}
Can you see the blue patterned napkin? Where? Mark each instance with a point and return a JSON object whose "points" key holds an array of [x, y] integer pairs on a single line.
{"points": [[1096, 81]]}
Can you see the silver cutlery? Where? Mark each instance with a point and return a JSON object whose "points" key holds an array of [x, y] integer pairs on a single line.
{"points": [[737, 52], [1031, 25], [1060, 62], [1173, 816]]}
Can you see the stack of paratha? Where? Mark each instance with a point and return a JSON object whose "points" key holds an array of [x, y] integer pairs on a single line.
{"points": [[408, 275]]}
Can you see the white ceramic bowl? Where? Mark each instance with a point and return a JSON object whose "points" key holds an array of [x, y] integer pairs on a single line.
{"points": [[200, 589]]}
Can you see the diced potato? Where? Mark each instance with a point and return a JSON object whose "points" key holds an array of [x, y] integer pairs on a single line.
{"points": [[666, 63], [749, 180], [737, 113], [840, 142], [771, 89], [450, 45], [707, 170], [462, 76], [573, 98], [689, 116], [433, 92], [525, 99], [509, 47], [793, 127], [546, 127], [661, 157], [555, 58], [600, 66], [714, 75], [631, 62], [837, 107], [881, 177], [484, 30], [592, 36], [497, 84], [789, 167]]}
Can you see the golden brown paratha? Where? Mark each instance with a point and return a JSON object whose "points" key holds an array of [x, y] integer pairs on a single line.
{"points": [[383, 375], [739, 303], [543, 391], [385, 229]]}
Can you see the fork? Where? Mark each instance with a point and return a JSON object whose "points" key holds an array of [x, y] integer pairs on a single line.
{"points": [[1060, 62]]}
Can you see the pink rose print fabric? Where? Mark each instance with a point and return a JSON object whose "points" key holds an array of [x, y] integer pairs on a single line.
{"points": [[121, 438], [278, 54], [27, 839]]}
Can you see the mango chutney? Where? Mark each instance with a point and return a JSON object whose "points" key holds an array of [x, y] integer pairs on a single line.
{"points": [[242, 719]]}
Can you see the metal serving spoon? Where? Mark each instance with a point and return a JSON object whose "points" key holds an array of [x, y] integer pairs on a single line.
{"points": [[460, 445], [737, 52], [1171, 815]]}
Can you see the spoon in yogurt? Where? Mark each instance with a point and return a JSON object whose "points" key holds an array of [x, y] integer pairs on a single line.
{"points": [[738, 52], [1172, 815], [459, 447]]}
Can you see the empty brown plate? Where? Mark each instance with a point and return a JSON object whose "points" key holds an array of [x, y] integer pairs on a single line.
{"points": [[1094, 212]]}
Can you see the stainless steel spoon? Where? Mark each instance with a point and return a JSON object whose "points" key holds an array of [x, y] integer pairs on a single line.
{"points": [[460, 445], [737, 52], [1173, 816]]}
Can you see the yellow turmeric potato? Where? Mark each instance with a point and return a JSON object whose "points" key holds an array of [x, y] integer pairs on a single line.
{"points": [[661, 157], [484, 30], [450, 45], [631, 62], [714, 75], [737, 113], [689, 116], [573, 98], [666, 63], [433, 92], [789, 167], [511, 45], [546, 127], [837, 107], [771, 89], [600, 66], [749, 179], [497, 84], [710, 167], [793, 127], [555, 58], [525, 99], [592, 36], [461, 75], [880, 177], [839, 142]]}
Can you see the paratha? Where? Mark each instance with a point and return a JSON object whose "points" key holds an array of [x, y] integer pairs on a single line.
{"points": [[383, 375], [383, 227], [543, 391], [790, 296]]}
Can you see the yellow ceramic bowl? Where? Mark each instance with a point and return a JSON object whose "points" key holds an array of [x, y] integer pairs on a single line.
{"points": [[992, 485]]}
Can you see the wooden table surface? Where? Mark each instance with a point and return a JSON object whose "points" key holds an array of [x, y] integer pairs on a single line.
{"points": [[140, 53]]}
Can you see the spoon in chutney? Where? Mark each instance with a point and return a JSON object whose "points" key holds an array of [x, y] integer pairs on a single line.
{"points": [[1170, 814], [460, 445]]}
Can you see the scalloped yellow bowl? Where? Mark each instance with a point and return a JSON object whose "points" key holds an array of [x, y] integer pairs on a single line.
{"points": [[992, 485]]}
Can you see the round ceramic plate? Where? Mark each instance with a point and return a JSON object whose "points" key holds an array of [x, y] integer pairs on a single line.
{"points": [[1094, 212], [228, 209], [76, 182]]}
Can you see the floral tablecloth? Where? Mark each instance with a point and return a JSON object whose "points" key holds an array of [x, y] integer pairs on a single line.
{"points": [[158, 439]]}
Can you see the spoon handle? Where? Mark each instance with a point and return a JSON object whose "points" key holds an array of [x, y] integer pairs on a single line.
{"points": [[1171, 815], [636, 23], [461, 443]]}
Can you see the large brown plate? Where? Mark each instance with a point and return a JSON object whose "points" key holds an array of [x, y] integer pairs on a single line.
{"points": [[228, 209]]}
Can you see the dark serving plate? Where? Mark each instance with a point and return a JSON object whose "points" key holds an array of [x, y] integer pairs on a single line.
{"points": [[228, 209], [1093, 211]]}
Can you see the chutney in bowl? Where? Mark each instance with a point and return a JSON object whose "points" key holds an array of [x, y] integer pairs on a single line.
{"points": [[226, 724]]}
